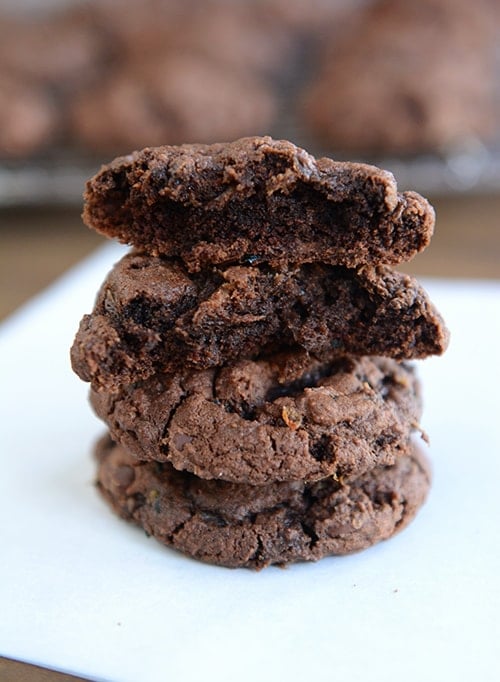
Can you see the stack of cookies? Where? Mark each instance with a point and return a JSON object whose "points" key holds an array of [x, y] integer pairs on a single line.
{"points": [[248, 355]]}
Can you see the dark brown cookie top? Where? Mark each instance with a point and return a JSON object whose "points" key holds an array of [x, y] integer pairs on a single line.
{"points": [[256, 198], [289, 417], [240, 525], [152, 315]]}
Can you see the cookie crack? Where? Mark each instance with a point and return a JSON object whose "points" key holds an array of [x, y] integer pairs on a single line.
{"points": [[402, 518], [258, 556], [310, 379], [179, 528], [215, 377], [309, 531], [164, 448], [114, 400]]}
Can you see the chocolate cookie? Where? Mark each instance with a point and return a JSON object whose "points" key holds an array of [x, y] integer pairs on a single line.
{"points": [[310, 16], [407, 77], [256, 198], [291, 416], [173, 98], [239, 525], [29, 119], [152, 315], [59, 48], [245, 35]]}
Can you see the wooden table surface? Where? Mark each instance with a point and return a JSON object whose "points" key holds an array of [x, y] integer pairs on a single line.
{"points": [[37, 245]]}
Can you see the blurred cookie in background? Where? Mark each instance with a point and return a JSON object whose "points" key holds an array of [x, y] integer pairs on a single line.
{"points": [[306, 16], [347, 77], [241, 35], [138, 28], [114, 75], [29, 119], [46, 58], [179, 98], [60, 49], [403, 77]]}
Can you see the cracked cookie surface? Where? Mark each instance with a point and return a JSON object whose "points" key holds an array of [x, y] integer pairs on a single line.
{"points": [[254, 526], [291, 416], [152, 315], [256, 198]]}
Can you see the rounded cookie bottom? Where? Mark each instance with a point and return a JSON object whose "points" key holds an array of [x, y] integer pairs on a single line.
{"points": [[239, 525]]}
